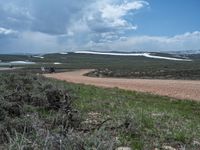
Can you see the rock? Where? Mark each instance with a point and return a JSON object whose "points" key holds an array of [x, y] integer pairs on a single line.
{"points": [[123, 148], [168, 148], [117, 140], [196, 143]]}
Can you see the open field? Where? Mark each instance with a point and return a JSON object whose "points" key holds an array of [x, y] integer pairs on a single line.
{"points": [[41, 113], [115, 66], [182, 89]]}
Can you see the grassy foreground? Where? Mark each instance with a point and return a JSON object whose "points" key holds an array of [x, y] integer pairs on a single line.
{"points": [[40, 113]]}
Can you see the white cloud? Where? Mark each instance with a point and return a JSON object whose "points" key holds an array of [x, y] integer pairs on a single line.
{"points": [[37, 41], [73, 23], [44, 25], [104, 21], [114, 12], [109, 16], [7, 32], [187, 41]]}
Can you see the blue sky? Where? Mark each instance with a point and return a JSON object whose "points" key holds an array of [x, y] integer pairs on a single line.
{"points": [[40, 26], [169, 17]]}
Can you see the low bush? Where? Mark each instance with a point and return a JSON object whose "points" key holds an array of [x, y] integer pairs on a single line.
{"points": [[24, 100]]}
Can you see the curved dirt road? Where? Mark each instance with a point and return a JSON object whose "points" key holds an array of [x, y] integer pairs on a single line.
{"points": [[181, 89]]}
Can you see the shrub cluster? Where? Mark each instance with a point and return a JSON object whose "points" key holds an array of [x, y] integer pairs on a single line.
{"points": [[154, 74], [30, 104], [39, 113]]}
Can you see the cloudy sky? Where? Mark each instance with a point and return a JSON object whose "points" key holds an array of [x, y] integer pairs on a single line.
{"points": [[40, 26]]}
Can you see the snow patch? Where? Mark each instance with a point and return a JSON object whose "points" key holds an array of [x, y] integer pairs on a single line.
{"points": [[63, 53], [132, 54], [41, 57], [57, 63], [22, 62]]}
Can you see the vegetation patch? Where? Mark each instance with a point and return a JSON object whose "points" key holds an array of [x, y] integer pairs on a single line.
{"points": [[33, 111], [114, 66], [40, 113], [164, 73]]}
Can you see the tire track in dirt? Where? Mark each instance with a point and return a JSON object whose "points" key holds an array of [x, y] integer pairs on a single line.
{"points": [[180, 89]]}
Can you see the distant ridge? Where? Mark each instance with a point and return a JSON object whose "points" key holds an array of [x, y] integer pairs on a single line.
{"points": [[148, 55]]}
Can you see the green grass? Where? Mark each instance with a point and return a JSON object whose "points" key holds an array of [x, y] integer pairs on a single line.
{"points": [[98, 118], [152, 121]]}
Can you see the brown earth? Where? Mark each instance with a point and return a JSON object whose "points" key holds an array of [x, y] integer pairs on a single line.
{"points": [[181, 89]]}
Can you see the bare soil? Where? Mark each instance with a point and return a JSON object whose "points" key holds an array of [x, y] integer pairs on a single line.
{"points": [[180, 89]]}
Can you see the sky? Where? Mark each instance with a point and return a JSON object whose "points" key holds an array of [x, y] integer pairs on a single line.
{"points": [[41, 26]]}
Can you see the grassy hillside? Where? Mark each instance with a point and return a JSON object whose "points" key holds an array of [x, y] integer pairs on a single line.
{"points": [[40, 113], [116, 66]]}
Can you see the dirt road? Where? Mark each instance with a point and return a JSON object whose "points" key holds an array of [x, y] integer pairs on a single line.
{"points": [[181, 89]]}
